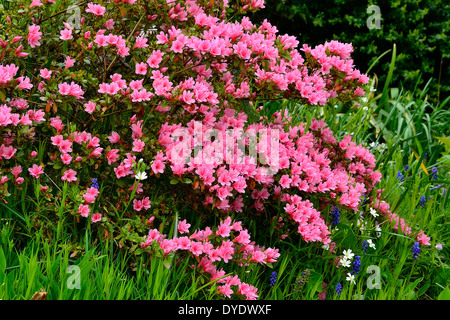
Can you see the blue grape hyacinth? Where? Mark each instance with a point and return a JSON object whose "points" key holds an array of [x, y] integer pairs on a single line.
{"points": [[356, 265], [94, 183], [338, 289], [416, 250], [335, 215], [273, 278]]}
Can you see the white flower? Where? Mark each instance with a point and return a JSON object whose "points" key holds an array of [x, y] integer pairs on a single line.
{"points": [[345, 262], [371, 244], [141, 175], [351, 278], [373, 212], [377, 228], [361, 224], [348, 254]]}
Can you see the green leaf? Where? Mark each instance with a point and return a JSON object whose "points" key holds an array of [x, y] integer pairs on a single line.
{"points": [[444, 295], [57, 166], [174, 181], [2, 261], [252, 115], [445, 141], [423, 289]]}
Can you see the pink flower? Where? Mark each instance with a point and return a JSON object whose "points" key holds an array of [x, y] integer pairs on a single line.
{"points": [[66, 34], [109, 24], [114, 137], [146, 203], [96, 217], [196, 248], [137, 130], [34, 35], [96, 9], [138, 146], [96, 153], [137, 205], [66, 158], [44, 73], [3, 180], [69, 62], [24, 83], [183, 243], [71, 89], [258, 256], [155, 59], [101, 40], [141, 42], [65, 146], [248, 291], [224, 228], [69, 176], [90, 195], [136, 84], [226, 290], [8, 152], [16, 171], [158, 166], [36, 3], [423, 238], [285, 181], [56, 140], [226, 250], [36, 171], [183, 226], [112, 156], [141, 68], [89, 107], [84, 210]]}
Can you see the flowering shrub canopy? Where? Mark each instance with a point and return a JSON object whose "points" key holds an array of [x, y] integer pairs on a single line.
{"points": [[150, 95]]}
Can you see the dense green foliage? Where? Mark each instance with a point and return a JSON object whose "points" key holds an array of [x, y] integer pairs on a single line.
{"points": [[419, 29]]}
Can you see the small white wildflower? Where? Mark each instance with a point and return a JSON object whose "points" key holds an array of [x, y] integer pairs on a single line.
{"points": [[351, 278], [345, 262], [348, 254], [373, 212], [141, 175], [371, 244], [377, 228]]}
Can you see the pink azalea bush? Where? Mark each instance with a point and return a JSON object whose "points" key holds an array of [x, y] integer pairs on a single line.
{"points": [[131, 90]]}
